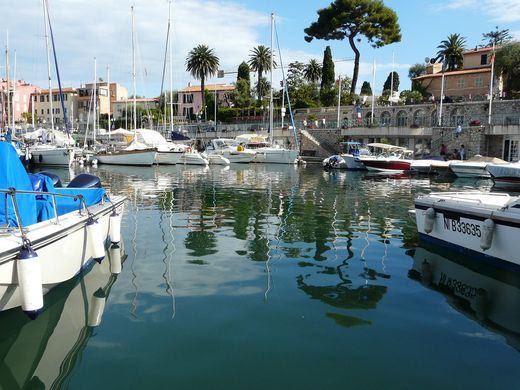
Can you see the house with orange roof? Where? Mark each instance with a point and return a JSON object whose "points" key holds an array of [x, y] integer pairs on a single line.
{"points": [[472, 82]]}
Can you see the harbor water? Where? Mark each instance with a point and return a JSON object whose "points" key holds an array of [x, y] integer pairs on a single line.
{"points": [[270, 276]]}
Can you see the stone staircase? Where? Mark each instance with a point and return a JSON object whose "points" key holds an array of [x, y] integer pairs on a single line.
{"points": [[320, 143]]}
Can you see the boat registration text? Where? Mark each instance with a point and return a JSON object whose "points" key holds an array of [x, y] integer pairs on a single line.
{"points": [[462, 227]]}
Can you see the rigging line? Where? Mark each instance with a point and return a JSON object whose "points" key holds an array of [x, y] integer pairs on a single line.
{"points": [[65, 119], [165, 56], [88, 118], [285, 90]]}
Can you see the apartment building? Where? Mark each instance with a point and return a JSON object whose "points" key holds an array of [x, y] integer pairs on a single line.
{"points": [[48, 107], [19, 100], [190, 99], [106, 96]]}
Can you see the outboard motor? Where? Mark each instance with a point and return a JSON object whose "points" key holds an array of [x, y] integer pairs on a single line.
{"points": [[55, 178], [85, 180]]}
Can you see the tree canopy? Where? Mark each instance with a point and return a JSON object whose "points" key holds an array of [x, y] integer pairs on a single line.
{"points": [[497, 37], [312, 71], [260, 61], [507, 61], [349, 19], [366, 89], [392, 82], [327, 78], [202, 63], [452, 49]]}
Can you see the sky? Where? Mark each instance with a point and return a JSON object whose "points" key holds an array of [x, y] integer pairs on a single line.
{"points": [[94, 38]]}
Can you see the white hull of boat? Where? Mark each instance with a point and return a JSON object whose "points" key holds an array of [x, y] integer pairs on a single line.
{"points": [[168, 157], [134, 157], [193, 158], [58, 247], [52, 156], [276, 156], [462, 220], [505, 174], [470, 169]]}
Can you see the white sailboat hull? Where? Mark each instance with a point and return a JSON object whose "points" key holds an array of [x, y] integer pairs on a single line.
{"points": [[58, 156], [276, 156], [168, 157], [127, 157]]}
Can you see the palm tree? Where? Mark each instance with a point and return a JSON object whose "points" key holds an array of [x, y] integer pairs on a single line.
{"points": [[312, 71], [452, 49], [202, 63], [260, 61]]}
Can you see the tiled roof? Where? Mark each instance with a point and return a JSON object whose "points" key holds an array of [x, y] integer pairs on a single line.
{"points": [[56, 91], [455, 73], [209, 87]]}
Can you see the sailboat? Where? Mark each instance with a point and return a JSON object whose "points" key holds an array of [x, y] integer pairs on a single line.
{"points": [[266, 150], [136, 153], [59, 150]]}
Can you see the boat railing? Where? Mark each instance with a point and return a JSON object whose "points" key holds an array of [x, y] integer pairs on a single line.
{"points": [[12, 192]]}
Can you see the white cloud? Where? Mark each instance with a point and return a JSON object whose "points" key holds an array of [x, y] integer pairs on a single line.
{"points": [[502, 11]]}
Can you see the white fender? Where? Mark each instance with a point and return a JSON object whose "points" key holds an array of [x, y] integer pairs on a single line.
{"points": [[97, 307], [95, 240], [114, 231], [429, 219], [30, 282], [486, 239], [115, 259]]}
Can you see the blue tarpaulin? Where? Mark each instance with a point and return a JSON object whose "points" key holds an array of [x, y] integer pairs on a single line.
{"points": [[33, 209], [13, 175]]}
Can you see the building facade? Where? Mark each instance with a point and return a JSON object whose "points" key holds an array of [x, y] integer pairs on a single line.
{"points": [[19, 101], [48, 110], [190, 99], [470, 83], [106, 96], [123, 111]]}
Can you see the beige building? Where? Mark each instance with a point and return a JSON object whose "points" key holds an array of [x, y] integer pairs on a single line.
{"points": [[48, 108], [106, 97], [122, 111], [470, 83]]}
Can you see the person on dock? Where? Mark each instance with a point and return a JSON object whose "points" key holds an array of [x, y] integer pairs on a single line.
{"points": [[462, 152], [443, 150]]}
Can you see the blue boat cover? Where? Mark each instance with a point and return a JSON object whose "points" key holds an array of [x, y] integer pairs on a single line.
{"points": [[13, 175], [33, 209]]}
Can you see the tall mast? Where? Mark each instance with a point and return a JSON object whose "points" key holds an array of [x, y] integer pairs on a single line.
{"points": [[133, 74], [14, 91], [94, 97], [171, 67], [48, 62], [8, 107], [109, 101], [271, 122]]}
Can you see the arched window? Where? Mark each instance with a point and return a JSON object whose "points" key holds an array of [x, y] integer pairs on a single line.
{"points": [[419, 118], [402, 119], [386, 118]]}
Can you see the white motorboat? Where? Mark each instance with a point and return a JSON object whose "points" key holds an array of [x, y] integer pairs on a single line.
{"points": [[474, 167], [265, 153], [505, 174], [349, 160], [481, 292], [49, 233], [486, 225], [217, 159], [193, 157], [386, 158], [231, 149], [168, 153]]}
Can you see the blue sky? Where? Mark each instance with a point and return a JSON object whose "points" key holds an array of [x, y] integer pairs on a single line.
{"points": [[102, 30]]}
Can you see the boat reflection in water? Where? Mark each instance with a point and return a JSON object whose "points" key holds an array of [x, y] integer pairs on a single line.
{"points": [[488, 295], [41, 353]]}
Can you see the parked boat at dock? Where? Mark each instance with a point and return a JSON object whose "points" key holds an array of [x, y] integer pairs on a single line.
{"points": [[387, 158], [49, 233], [486, 225], [505, 174], [474, 167]]}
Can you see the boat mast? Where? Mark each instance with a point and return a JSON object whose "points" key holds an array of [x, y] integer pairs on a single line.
{"points": [[133, 74], [94, 94], [14, 90], [109, 101], [271, 122], [48, 62], [171, 68], [8, 118]]}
